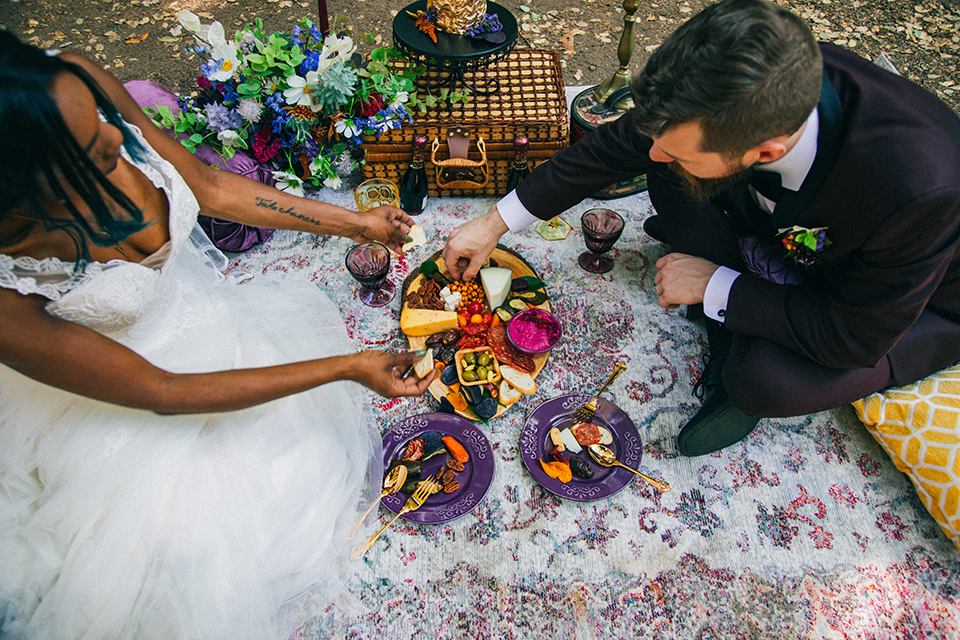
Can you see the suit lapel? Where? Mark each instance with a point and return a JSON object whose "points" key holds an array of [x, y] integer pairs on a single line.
{"points": [[829, 140]]}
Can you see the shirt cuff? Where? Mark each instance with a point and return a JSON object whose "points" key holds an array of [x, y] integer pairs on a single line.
{"points": [[718, 292], [514, 214]]}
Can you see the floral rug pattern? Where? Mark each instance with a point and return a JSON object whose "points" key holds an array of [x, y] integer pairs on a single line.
{"points": [[804, 530]]}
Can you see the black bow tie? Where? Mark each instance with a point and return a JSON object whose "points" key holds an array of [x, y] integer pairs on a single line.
{"points": [[768, 184]]}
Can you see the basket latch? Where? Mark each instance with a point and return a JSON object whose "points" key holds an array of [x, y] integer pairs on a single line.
{"points": [[459, 172]]}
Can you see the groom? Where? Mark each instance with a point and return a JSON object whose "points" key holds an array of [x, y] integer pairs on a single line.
{"points": [[811, 201]]}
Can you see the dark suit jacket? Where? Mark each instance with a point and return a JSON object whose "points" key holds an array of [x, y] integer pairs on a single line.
{"points": [[890, 201]]}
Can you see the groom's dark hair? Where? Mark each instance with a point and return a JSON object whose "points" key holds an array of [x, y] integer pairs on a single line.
{"points": [[746, 70]]}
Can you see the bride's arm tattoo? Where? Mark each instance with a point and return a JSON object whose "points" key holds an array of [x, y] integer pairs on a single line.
{"points": [[272, 204]]}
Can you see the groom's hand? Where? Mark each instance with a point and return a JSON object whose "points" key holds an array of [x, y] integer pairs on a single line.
{"points": [[471, 243]]}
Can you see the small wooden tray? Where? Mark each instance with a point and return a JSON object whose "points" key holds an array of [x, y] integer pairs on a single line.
{"points": [[493, 359]]}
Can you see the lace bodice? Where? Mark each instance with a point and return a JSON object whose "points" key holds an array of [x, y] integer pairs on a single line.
{"points": [[112, 295]]}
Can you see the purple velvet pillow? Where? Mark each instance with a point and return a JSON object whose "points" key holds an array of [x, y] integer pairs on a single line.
{"points": [[227, 236]]}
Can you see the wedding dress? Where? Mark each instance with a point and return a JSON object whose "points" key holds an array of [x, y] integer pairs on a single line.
{"points": [[120, 523]]}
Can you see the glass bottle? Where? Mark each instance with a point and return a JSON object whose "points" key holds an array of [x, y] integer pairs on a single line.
{"points": [[413, 187]]}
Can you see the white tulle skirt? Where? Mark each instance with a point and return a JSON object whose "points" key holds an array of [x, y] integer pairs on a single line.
{"points": [[120, 523]]}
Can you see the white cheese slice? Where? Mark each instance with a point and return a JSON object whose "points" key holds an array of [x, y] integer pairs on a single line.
{"points": [[496, 283], [570, 441]]}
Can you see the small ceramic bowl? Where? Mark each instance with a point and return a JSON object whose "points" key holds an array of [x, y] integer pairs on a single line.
{"points": [[534, 331]]}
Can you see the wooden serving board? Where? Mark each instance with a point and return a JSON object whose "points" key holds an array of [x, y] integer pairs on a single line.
{"points": [[501, 257]]}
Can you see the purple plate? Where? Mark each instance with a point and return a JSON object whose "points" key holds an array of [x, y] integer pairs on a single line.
{"points": [[474, 479], [535, 444]]}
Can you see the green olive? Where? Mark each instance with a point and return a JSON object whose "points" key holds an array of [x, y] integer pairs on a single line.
{"points": [[469, 358], [481, 373], [469, 376], [483, 359]]}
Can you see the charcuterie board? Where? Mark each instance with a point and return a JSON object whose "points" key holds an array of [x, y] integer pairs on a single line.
{"points": [[501, 257]]}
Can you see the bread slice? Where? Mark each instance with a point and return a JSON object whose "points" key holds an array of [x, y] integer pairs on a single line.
{"points": [[508, 393], [424, 365], [418, 238], [521, 380]]}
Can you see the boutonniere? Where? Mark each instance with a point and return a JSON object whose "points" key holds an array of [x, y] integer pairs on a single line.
{"points": [[804, 245]]}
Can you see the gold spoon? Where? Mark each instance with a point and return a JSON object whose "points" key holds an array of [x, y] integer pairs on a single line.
{"points": [[607, 458], [391, 484]]}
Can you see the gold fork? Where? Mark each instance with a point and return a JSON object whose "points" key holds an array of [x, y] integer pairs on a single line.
{"points": [[587, 410], [425, 489]]}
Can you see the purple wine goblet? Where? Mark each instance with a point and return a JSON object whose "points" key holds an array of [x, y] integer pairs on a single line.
{"points": [[369, 264], [601, 230]]}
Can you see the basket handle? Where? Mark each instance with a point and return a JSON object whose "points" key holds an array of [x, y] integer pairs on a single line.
{"points": [[459, 172]]}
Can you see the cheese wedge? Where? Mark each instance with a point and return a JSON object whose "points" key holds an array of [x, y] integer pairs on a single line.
{"points": [[496, 283], [425, 322]]}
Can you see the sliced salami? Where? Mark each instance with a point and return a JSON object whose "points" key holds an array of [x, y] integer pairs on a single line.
{"points": [[507, 353]]}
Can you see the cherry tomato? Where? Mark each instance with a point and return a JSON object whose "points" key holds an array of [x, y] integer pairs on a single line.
{"points": [[476, 319], [463, 321], [474, 308], [487, 317]]}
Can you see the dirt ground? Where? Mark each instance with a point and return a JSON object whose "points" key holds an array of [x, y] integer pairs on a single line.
{"points": [[141, 39]]}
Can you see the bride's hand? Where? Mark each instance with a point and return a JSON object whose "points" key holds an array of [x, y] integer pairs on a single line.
{"points": [[385, 224], [383, 372]]}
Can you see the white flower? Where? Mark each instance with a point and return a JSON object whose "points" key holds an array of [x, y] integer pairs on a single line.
{"points": [[189, 20], [347, 128], [333, 183], [335, 49], [250, 110], [399, 100], [301, 90], [215, 34], [272, 84], [288, 183], [231, 61], [228, 137]]}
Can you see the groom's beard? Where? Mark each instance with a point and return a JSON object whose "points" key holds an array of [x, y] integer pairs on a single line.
{"points": [[707, 188]]}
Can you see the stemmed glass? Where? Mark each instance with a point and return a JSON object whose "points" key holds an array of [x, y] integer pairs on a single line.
{"points": [[369, 264], [601, 230]]}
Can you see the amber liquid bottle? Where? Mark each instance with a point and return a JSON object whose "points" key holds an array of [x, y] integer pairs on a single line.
{"points": [[520, 169], [413, 187]]}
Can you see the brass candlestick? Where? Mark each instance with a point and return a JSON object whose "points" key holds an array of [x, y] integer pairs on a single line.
{"points": [[622, 76]]}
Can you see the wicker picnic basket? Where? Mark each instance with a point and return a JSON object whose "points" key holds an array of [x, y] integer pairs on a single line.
{"points": [[531, 101]]}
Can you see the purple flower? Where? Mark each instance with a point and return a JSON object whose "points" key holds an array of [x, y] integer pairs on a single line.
{"points": [[219, 118]]}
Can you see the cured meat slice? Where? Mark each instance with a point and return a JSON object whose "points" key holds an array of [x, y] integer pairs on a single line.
{"points": [[587, 434], [505, 351]]}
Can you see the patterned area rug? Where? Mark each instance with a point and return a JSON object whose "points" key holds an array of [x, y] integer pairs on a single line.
{"points": [[804, 530]]}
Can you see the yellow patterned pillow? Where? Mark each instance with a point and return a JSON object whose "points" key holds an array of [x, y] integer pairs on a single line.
{"points": [[919, 427]]}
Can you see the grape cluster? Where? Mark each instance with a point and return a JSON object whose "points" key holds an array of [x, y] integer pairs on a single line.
{"points": [[489, 24]]}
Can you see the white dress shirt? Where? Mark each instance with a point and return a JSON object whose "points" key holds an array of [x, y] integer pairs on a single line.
{"points": [[793, 167]]}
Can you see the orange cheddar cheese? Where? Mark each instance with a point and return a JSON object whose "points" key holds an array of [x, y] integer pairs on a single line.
{"points": [[425, 322]]}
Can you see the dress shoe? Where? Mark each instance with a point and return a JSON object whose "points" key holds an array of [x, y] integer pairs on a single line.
{"points": [[718, 423], [654, 228]]}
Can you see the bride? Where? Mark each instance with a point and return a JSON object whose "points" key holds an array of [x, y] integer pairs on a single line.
{"points": [[181, 451]]}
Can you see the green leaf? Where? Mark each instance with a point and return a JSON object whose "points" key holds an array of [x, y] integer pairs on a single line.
{"points": [[197, 138]]}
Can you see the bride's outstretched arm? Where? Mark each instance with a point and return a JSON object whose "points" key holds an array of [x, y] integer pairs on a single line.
{"points": [[229, 196], [74, 358]]}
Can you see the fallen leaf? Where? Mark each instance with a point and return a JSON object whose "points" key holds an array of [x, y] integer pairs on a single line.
{"points": [[136, 39]]}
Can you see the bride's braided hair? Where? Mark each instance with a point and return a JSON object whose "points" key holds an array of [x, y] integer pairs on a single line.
{"points": [[38, 150]]}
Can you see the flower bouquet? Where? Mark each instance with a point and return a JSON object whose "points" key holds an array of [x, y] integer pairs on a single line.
{"points": [[299, 102]]}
